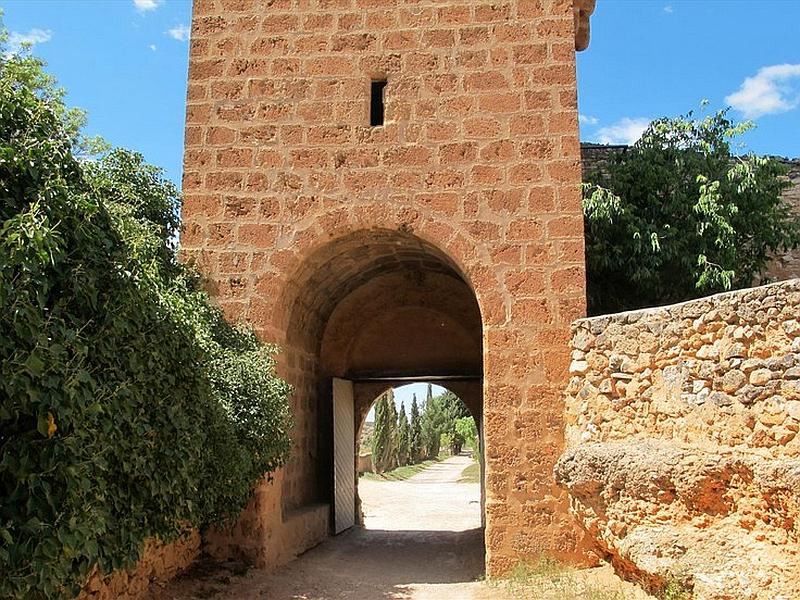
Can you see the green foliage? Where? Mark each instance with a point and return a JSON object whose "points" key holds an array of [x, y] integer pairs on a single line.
{"points": [[396, 442], [415, 432], [129, 408], [433, 424], [679, 216], [439, 416], [468, 430], [471, 474], [403, 438], [548, 579], [383, 437], [676, 589]]}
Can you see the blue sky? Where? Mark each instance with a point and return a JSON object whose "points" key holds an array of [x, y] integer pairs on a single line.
{"points": [[125, 62], [648, 59], [405, 395]]}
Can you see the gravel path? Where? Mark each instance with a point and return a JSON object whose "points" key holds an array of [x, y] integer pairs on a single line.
{"points": [[422, 540], [430, 500]]}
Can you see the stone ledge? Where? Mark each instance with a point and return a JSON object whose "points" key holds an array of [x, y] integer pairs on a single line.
{"points": [[582, 9]]}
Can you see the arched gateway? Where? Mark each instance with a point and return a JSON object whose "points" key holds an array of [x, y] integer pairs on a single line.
{"points": [[389, 191]]}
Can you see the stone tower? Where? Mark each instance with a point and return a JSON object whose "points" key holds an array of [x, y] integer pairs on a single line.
{"points": [[389, 190]]}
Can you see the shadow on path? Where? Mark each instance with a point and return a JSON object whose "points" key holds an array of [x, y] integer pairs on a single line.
{"points": [[357, 565]]}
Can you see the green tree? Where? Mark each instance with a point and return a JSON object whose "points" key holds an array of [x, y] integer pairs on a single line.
{"points": [[129, 407], [392, 415], [383, 449], [439, 417], [678, 216], [468, 431], [432, 422], [454, 410], [415, 433], [403, 438]]}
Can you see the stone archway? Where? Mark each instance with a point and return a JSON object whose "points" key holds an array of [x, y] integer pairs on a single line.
{"points": [[296, 206], [375, 307]]}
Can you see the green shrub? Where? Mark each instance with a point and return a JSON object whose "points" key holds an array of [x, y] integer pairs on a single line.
{"points": [[129, 408], [468, 431], [678, 216]]}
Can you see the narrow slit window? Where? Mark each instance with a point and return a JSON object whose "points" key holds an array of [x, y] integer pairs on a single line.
{"points": [[377, 105]]}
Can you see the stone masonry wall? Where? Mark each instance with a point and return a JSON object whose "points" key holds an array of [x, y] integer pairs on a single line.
{"points": [[291, 198], [787, 264], [683, 452], [159, 564], [724, 370]]}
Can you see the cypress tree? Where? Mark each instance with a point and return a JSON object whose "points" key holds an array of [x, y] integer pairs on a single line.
{"points": [[403, 438], [415, 433], [392, 421], [382, 446], [433, 425]]}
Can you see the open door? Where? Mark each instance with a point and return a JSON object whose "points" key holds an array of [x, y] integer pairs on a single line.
{"points": [[344, 466]]}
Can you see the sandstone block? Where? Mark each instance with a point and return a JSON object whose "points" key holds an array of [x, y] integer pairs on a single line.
{"points": [[664, 512], [760, 376], [733, 380]]}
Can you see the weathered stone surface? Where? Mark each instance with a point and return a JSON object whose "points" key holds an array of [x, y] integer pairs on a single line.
{"points": [[723, 523], [693, 470], [673, 393], [159, 563], [760, 376]]}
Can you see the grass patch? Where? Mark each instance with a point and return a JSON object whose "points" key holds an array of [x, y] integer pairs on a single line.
{"points": [[400, 473], [472, 474], [549, 579], [677, 590]]}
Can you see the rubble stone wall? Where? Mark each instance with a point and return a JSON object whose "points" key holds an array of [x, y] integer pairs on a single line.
{"points": [[723, 370], [683, 459]]}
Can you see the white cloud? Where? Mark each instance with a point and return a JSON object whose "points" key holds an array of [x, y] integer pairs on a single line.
{"points": [[179, 32], [17, 40], [774, 89], [587, 120], [668, 9], [146, 5], [153, 47], [624, 131]]}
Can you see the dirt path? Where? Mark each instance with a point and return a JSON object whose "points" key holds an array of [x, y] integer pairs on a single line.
{"points": [[422, 541], [431, 500]]}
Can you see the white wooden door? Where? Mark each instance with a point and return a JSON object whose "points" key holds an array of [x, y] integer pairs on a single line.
{"points": [[344, 466]]}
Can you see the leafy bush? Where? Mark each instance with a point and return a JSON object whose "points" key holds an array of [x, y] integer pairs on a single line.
{"points": [[129, 408], [438, 423], [468, 431], [679, 216]]}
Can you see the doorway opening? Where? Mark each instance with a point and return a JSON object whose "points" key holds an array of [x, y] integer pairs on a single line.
{"points": [[419, 462], [368, 311]]}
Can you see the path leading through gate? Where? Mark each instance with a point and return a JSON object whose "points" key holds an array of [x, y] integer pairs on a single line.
{"points": [[422, 540]]}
